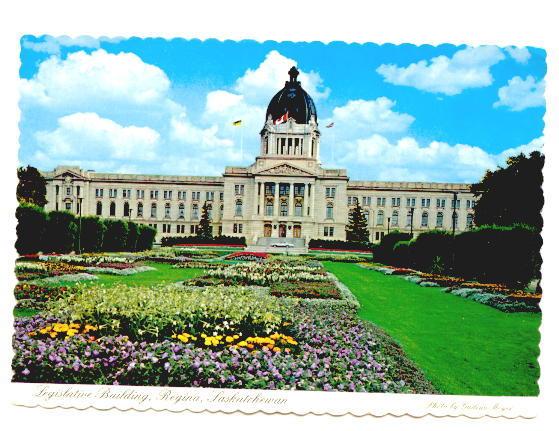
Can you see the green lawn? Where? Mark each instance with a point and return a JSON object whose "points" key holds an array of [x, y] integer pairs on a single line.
{"points": [[462, 346]]}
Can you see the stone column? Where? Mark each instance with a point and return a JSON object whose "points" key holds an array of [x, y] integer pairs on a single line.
{"points": [[262, 199], [291, 204], [313, 192], [276, 199], [256, 198]]}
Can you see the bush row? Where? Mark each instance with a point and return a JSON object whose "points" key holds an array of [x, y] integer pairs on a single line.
{"points": [[339, 244], [63, 232], [495, 254], [225, 240]]}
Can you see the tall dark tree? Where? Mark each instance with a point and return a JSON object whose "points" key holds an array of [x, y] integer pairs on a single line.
{"points": [[357, 226], [32, 186], [512, 194], [205, 226]]}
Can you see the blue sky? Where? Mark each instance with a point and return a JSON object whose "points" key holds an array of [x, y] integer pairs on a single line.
{"points": [[401, 113]]}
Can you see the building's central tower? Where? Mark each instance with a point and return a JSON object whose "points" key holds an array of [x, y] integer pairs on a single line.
{"points": [[291, 128]]}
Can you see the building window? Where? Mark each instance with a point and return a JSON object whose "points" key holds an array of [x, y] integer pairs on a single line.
{"points": [[58, 190], [68, 191], [195, 196], [237, 228], [330, 192], [209, 196], [238, 208], [328, 231], [299, 189], [126, 210], [209, 210], [410, 202], [166, 228], [424, 219], [192, 229], [366, 214], [68, 206], [425, 202], [283, 189], [153, 194], [153, 210], [408, 219], [112, 209], [112, 193], [269, 189], [330, 211], [283, 209], [395, 202], [98, 193], [99, 209], [269, 208], [439, 219], [140, 194], [441, 203], [380, 218], [381, 202], [140, 209], [167, 194], [298, 209], [181, 211], [167, 210], [239, 189], [126, 193], [195, 214], [221, 196], [469, 221], [394, 221], [78, 191], [456, 204]]}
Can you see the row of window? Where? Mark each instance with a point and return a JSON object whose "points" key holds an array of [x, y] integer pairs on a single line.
{"points": [[153, 194], [127, 211], [394, 219], [283, 209], [410, 202], [181, 228], [284, 188]]}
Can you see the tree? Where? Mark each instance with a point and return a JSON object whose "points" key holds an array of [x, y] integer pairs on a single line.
{"points": [[61, 232], [357, 226], [146, 236], [92, 234], [205, 227], [116, 235], [512, 194], [32, 186]]}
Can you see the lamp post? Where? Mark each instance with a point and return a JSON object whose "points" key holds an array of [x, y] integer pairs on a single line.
{"points": [[129, 214], [80, 222], [412, 209], [454, 215], [388, 225]]}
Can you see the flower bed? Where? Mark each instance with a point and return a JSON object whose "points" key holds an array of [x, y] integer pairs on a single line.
{"points": [[199, 264], [329, 350], [318, 290], [29, 295], [345, 257], [119, 271], [30, 270], [492, 294], [249, 256]]}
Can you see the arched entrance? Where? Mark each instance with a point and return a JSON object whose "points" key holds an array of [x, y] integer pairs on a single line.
{"points": [[297, 231], [267, 230], [282, 230]]}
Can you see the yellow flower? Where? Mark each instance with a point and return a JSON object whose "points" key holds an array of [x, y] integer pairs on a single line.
{"points": [[53, 334], [74, 325], [60, 327], [174, 336], [72, 332], [207, 342], [183, 338], [277, 349], [242, 344], [229, 339]]}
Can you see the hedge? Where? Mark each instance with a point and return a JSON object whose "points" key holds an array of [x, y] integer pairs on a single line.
{"points": [[339, 244], [193, 239], [384, 251], [32, 221], [491, 254], [59, 232]]}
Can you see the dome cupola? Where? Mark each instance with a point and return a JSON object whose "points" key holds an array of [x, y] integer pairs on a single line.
{"points": [[292, 100]]}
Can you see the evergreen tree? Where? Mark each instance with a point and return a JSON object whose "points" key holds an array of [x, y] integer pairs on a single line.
{"points": [[357, 226], [32, 186], [205, 227], [512, 194]]}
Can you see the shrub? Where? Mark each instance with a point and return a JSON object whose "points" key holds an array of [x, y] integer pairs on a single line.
{"points": [[225, 240], [146, 237], [61, 232], [401, 254], [383, 252], [32, 221], [133, 235], [333, 244], [116, 235], [432, 251], [92, 234]]}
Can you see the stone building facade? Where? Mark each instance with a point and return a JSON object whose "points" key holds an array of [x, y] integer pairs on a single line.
{"points": [[285, 193]]}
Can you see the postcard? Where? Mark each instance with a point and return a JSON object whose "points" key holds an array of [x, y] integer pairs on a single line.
{"points": [[279, 227]]}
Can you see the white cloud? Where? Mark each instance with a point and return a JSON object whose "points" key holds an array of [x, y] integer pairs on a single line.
{"points": [[99, 78], [259, 85], [407, 160], [358, 118], [520, 55], [51, 45], [88, 137], [467, 68], [520, 94]]}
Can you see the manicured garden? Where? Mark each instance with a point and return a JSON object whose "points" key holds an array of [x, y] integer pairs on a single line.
{"points": [[197, 319], [463, 347]]}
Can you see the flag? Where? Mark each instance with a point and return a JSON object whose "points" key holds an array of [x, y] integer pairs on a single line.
{"points": [[237, 123], [330, 125], [282, 119]]}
